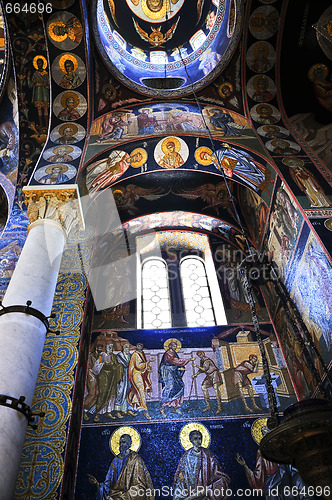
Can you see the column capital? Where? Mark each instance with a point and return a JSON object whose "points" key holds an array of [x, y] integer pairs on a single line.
{"points": [[59, 204]]}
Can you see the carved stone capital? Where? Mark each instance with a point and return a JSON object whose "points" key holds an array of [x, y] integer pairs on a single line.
{"points": [[59, 204]]}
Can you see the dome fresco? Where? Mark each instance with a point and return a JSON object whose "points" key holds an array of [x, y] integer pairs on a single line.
{"points": [[166, 47]]}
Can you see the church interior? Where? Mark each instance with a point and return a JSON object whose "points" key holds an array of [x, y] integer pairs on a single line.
{"points": [[147, 146]]}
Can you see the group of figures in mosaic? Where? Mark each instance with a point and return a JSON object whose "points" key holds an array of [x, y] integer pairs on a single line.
{"points": [[122, 383], [198, 473]]}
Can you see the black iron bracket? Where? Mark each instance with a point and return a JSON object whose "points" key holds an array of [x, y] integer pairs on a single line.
{"points": [[22, 407], [29, 310]]}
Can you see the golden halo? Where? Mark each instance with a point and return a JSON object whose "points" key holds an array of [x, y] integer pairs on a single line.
{"points": [[288, 161], [56, 38], [311, 71], [66, 96], [169, 341], [141, 162], [167, 141], [222, 86], [68, 125], [199, 159], [115, 439], [155, 15], [69, 149], [65, 58], [34, 62], [256, 429], [148, 110], [64, 168], [194, 426], [328, 224], [261, 44]]}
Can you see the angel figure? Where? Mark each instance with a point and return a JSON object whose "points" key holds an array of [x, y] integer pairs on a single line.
{"points": [[215, 195], [126, 197], [156, 38]]}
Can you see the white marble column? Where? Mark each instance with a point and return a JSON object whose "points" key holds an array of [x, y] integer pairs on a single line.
{"points": [[22, 338], [22, 335]]}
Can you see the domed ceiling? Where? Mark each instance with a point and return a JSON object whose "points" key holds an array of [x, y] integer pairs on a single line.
{"points": [[166, 47]]}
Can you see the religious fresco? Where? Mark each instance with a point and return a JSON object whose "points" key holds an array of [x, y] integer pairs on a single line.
{"points": [[68, 133], [309, 283], [226, 355], [311, 188], [68, 71], [261, 88], [28, 45], [57, 173], [261, 57], [263, 22], [255, 213], [160, 119], [59, 162], [297, 360], [177, 444], [9, 153], [175, 153], [64, 30], [96, 453], [204, 50], [284, 228], [225, 413], [265, 113], [69, 106], [227, 260], [62, 153]]}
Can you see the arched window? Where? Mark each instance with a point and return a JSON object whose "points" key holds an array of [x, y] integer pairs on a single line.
{"points": [[177, 284], [156, 306], [196, 293]]}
